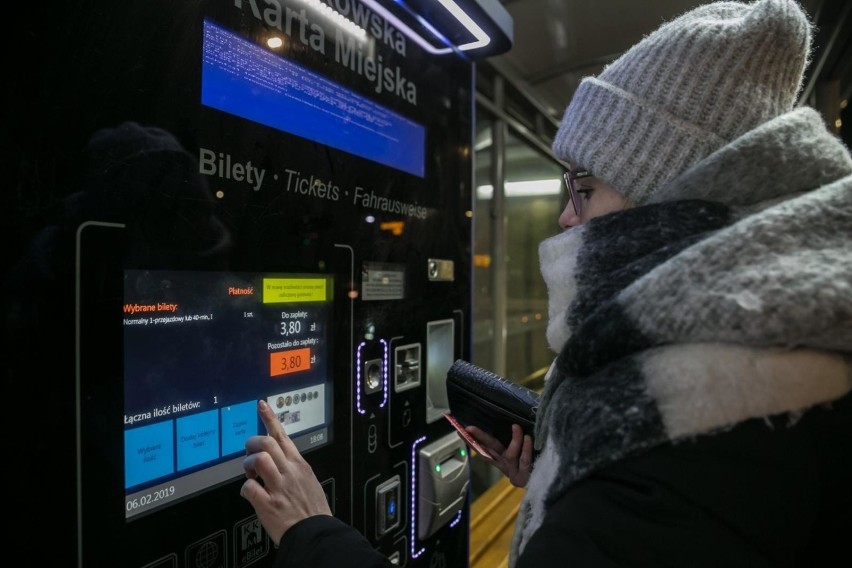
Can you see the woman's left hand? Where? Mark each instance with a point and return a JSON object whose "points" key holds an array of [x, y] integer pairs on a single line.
{"points": [[515, 461]]}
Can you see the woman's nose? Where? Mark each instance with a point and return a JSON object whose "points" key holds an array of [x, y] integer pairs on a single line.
{"points": [[568, 218]]}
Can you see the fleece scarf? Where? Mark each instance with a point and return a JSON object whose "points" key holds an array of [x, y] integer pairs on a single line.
{"points": [[728, 299]]}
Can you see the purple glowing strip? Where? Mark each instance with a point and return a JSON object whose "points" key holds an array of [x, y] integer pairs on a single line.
{"points": [[385, 373], [414, 553], [358, 380], [456, 520]]}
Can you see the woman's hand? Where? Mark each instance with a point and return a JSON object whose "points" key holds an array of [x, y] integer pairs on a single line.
{"points": [[515, 461], [281, 486]]}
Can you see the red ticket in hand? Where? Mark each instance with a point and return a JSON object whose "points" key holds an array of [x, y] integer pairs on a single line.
{"points": [[467, 437]]}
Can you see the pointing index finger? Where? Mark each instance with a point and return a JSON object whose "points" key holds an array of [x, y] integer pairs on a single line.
{"points": [[274, 428]]}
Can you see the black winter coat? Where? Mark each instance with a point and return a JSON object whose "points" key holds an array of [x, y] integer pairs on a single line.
{"points": [[762, 494]]}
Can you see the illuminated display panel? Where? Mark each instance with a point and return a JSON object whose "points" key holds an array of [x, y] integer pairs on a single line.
{"points": [[200, 349], [246, 80]]}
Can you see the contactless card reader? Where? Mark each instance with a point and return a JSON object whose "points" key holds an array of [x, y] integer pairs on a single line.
{"points": [[387, 506], [443, 477]]}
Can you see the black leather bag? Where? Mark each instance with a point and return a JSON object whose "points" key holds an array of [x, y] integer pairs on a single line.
{"points": [[488, 401]]}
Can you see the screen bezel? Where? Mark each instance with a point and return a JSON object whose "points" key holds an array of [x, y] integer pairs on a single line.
{"points": [[101, 258], [209, 348]]}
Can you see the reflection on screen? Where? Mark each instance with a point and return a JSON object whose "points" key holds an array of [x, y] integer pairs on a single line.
{"points": [[200, 349], [244, 79]]}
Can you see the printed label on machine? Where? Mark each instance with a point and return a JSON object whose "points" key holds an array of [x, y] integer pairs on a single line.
{"points": [[382, 281]]}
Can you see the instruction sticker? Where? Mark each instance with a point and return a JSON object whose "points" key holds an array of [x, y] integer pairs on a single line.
{"points": [[294, 290], [382, 281]]}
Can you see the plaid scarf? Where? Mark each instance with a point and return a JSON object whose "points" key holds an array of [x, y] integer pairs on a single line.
{"points": [[682, 318]]}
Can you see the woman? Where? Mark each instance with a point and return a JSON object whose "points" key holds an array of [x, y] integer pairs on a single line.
{"points": [[590, 197], [700, 305]]}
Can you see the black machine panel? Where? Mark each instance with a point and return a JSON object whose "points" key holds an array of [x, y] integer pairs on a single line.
{"points": [[241, 200]]}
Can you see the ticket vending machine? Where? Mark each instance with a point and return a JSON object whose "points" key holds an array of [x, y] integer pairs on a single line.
{"points": [[261, 199]]}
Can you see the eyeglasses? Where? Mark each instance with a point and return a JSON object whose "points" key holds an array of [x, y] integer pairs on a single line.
{"points": [[572, 185]]}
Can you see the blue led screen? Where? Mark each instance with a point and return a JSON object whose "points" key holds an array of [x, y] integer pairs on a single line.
{"points": [[246, 80]]}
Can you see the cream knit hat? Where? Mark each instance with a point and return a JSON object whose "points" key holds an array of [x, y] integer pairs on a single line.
{"points": [[684, 91]]}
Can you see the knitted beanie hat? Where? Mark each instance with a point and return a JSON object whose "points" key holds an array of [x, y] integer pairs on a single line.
{"points": [[687, 89]]}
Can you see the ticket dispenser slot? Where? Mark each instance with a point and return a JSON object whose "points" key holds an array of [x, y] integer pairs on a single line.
{"points": [[440, 354], [443, 477]]}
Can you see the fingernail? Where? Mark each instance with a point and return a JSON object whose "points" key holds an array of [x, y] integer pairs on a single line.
{"points": [[262, 404]]}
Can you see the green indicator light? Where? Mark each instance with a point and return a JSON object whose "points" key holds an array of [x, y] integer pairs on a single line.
{"points": [[438, 468], [463, 452]]}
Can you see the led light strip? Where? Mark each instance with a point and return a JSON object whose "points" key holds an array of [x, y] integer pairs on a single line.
{"points": [[414, 553], [358, 379], [482, 38], [385, 372], [358, 369]]}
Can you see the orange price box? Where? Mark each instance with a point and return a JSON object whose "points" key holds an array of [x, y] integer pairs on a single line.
{"points": [[292, 361]]}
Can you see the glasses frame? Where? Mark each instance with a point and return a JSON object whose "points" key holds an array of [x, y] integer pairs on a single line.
{"points": [[572, 185]]}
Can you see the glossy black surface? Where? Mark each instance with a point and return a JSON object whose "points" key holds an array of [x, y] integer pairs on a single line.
{"points": [[110, 152]]}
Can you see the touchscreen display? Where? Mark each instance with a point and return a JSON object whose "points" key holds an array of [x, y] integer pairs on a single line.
{"points": [[200, 349]]}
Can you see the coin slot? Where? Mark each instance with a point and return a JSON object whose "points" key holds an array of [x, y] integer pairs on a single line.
{"points": [[373, 376]]}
